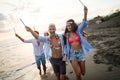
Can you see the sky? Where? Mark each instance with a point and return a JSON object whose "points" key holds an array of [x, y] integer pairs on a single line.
{"points": [[40, 13]]}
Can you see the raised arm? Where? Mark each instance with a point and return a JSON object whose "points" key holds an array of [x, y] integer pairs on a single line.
{"points": [[84, 22], [19, 37], [32, 32], [85, 13], [41, 38]]}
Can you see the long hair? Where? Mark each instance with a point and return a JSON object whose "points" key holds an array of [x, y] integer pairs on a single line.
{"points": [[74, 27], [64, 39]]}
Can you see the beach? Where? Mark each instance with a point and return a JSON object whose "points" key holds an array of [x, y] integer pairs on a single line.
{"points": [[105, 38], [17, 58]]}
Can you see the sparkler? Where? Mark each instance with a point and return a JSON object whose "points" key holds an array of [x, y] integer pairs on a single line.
{"points": [[81, 2], [22, 22]]}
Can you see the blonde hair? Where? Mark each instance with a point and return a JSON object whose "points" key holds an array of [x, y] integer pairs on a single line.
{"points": [[51, 25]]}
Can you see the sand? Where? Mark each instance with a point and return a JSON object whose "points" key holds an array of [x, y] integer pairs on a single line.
{"points": [[105, 38]]}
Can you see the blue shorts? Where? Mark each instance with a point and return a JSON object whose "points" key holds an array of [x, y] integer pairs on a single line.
{"points": [[77, 55], [40, 59]]}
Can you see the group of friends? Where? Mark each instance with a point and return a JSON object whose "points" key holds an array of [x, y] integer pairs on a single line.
{"points": [[71, 46]]}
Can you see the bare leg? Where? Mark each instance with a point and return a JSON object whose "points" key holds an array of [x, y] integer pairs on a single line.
{"points": [[39, 70], [76, 69], [58, 76], [82, 67], [44, 69], [64, 77]]}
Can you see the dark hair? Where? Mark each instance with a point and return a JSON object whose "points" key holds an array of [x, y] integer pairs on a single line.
{"points": [[36, 32], [47, 34], [74, 27], [64, 39]]}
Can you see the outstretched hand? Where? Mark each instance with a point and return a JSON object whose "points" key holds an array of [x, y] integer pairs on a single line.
{"points": [[28, 29], [31, 31], [16, 35], [19, 37], [64, 58], [85, 10]]}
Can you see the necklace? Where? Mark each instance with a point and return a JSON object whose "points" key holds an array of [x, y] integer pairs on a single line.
{"points": [[58, 41]]}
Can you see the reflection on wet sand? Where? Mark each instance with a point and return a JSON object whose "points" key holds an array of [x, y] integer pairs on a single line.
{"points": [[15, 58]]}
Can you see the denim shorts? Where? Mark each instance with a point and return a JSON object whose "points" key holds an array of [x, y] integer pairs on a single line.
{"points": [[40, 59], [77, 55], [58, 65]]}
